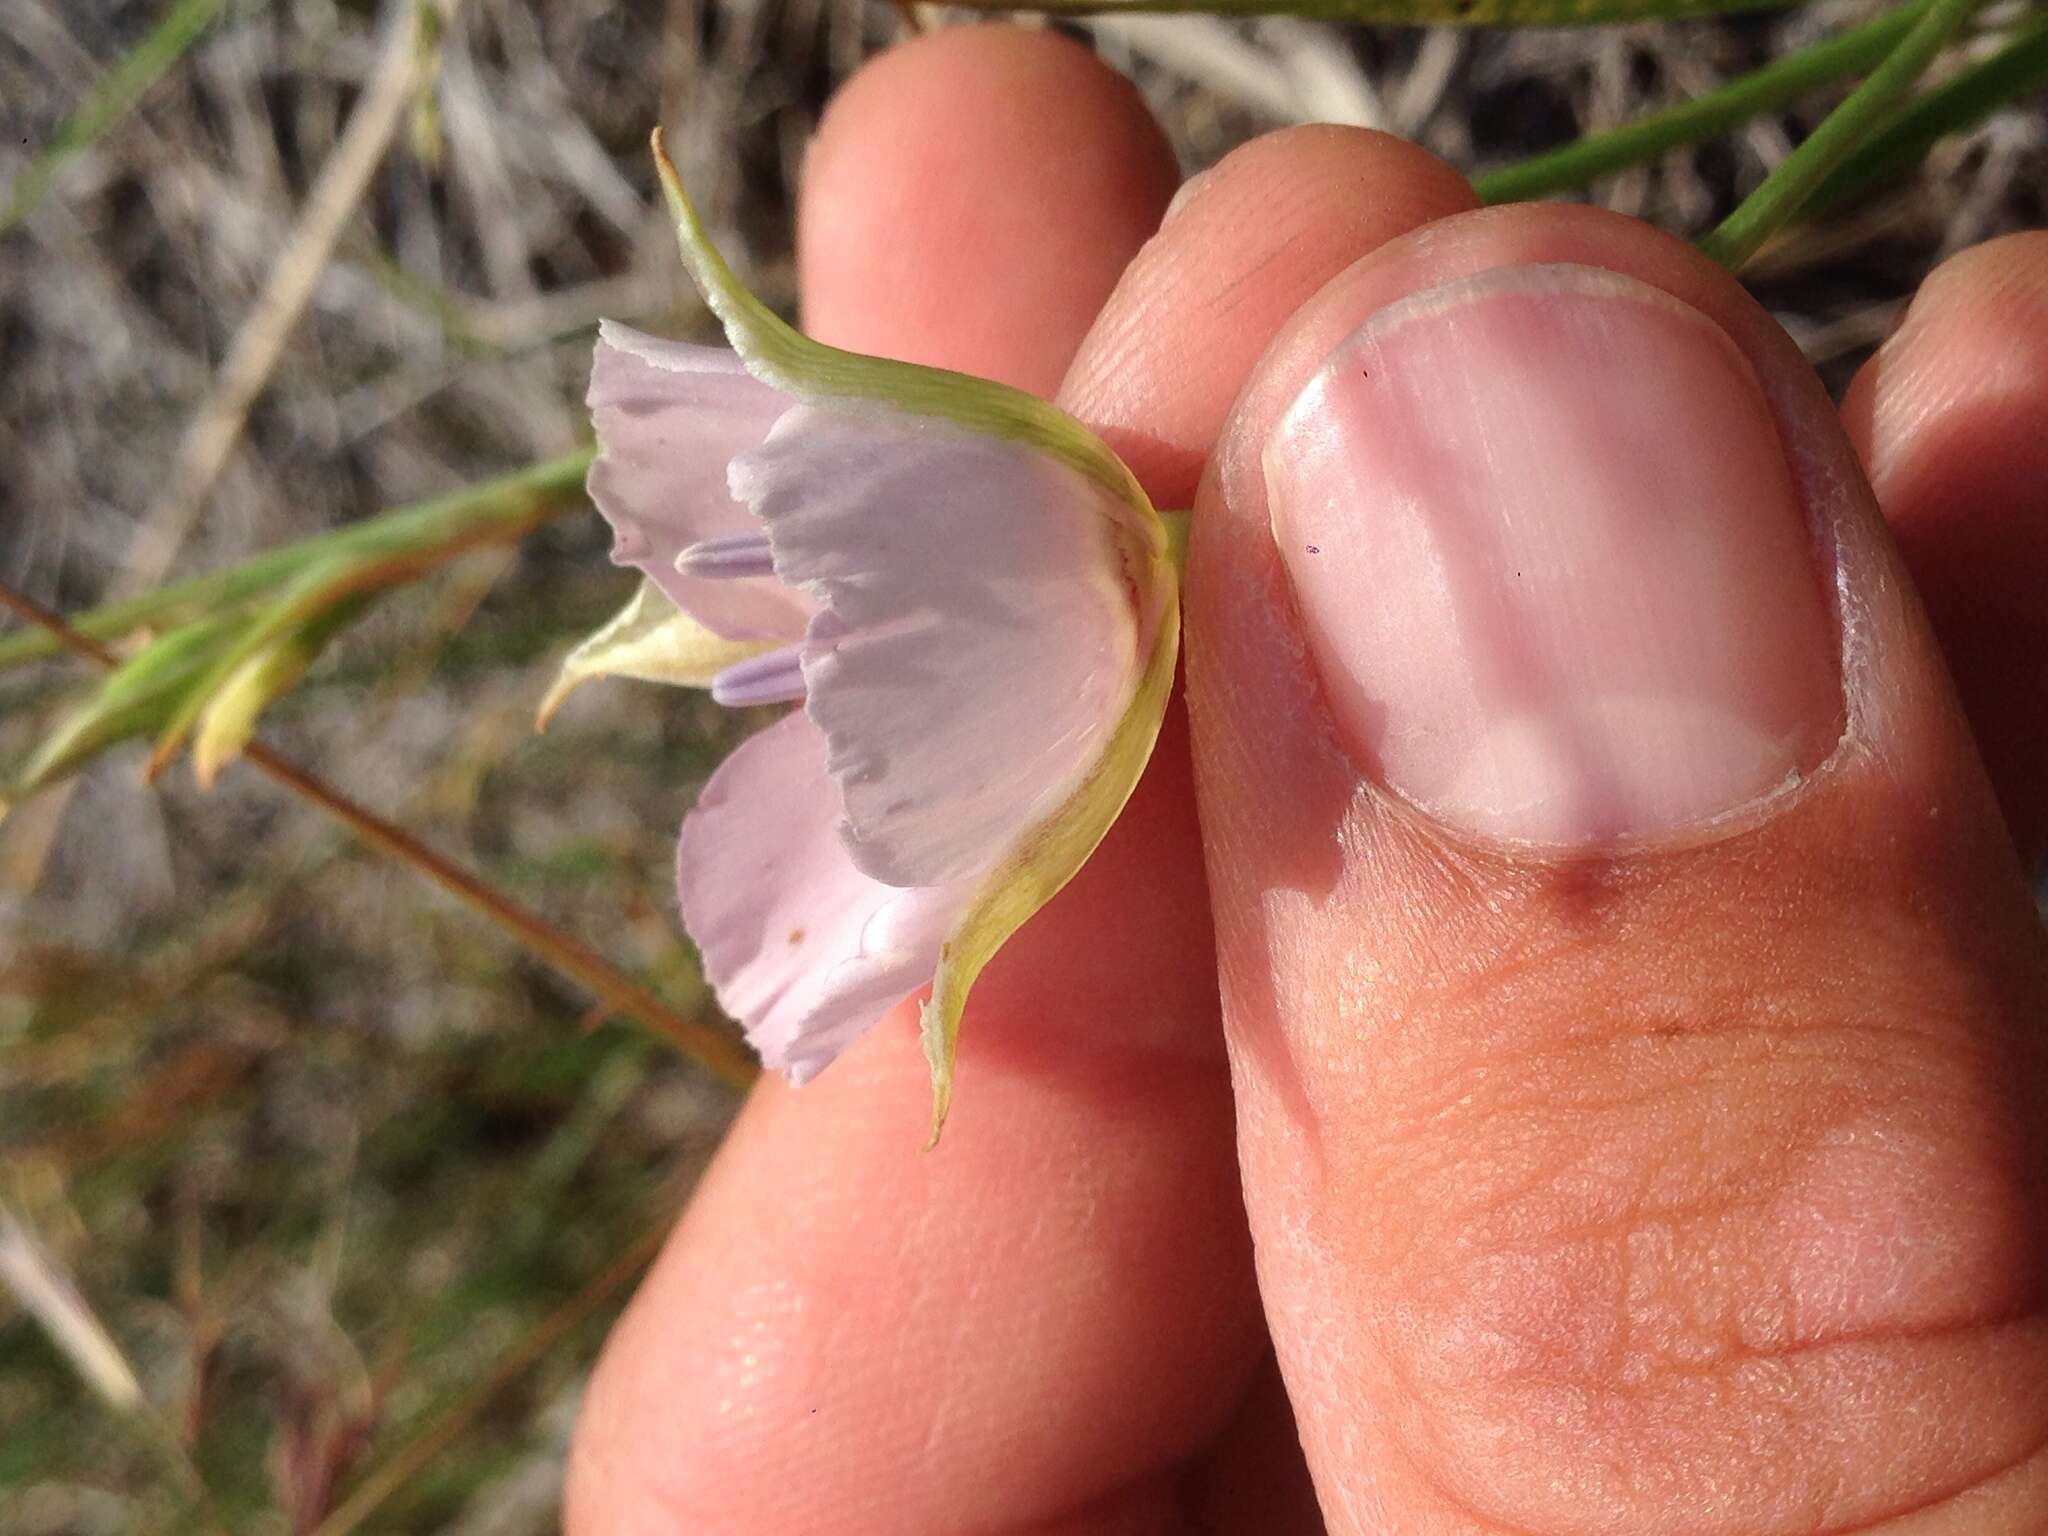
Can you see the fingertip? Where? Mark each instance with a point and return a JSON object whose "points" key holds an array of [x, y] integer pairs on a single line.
{"points": [[1243, 245], [1248, 651], [1010, 164], [849, 1333], [1977, 330], [1462, 990], [846, 1333], [1948, 419]]}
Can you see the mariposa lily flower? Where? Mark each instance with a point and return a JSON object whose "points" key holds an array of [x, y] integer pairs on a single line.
{"points": [[971, 598]]}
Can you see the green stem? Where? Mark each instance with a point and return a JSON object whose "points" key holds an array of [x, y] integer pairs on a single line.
{"points": [[1457, 13], [711, 1046], [1787, 189], [1777, 84], [119, 89], [2018, 67], [505, 507]]}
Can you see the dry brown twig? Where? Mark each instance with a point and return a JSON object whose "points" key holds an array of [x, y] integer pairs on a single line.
{"points": [[217, 425], [713, 1048]]}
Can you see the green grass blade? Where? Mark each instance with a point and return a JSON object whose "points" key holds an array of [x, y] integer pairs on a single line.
{"points": [[118, 91], [497, 508], [1775, 85], [1456, 13], [710, 1045], [136, 699], [2017, 68], [318, 588], [1787, 189], [228, 719]]}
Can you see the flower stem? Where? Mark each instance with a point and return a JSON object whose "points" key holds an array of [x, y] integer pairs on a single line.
{"points": [[1775, 85], [1788, 188], [710, 1047], [503, 508]]}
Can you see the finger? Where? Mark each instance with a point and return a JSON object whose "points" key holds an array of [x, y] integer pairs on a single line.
{"points": [[842, 1325], [1245, 244], [1632, 997], [1951, 421], [1032, 1326], [956, 212], [1023, 1329]]}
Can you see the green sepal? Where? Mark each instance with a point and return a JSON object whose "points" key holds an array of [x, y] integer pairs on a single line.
{"points": [[652, 640], [779, 355], [132, 700], [313, 591], [1055, 851], [228, 718]]}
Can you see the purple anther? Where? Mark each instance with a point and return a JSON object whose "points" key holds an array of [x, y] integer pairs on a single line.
{"points": [[775, 677], [731, 556]]}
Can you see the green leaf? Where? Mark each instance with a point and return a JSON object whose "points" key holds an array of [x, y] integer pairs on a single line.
{"points": [[2017, 67], [313, 592], [229, 717], [495, 510], [117, 92], [1777, 84], [133, 700], [650, 639], [1788, 188]]}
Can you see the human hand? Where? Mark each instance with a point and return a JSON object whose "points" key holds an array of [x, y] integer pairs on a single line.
{"points": [[1688, 1183]]}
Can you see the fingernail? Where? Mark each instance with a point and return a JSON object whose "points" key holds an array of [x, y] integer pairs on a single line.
{"points": [[1551, 563]]}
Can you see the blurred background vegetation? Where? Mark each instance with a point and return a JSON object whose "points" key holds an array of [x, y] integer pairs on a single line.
{"points": [[337, 1187]]}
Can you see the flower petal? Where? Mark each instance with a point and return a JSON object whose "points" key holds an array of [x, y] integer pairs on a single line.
{"points": [[669, 417], [1005, 898], [979, 633], [805, 369], [650, 639], [801, 947], [1007, 611]]}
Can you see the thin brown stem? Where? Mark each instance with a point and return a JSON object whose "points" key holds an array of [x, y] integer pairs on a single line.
{"points": [[217, 426], [710, 1046], [408, 1462]]}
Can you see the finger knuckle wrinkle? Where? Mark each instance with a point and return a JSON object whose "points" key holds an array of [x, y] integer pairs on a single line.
{"points": [[1764, 1282]]}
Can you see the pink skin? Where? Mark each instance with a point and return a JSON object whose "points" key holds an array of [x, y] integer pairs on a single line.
{"points": [[1693, 1159], [1947, 418], [1551, 561], [1630, 1193]]}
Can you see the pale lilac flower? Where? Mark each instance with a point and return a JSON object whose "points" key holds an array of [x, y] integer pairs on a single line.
{"points": [[971, 599]]}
